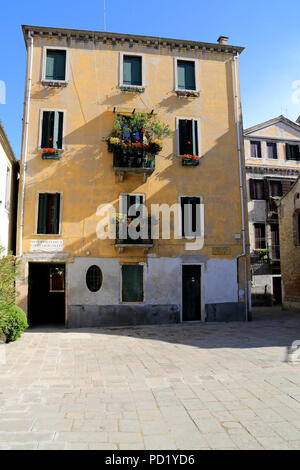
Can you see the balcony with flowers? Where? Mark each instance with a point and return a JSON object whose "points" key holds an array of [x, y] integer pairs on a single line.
{"points": [[135, 140]]}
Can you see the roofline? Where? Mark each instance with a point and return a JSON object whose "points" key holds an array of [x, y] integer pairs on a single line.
{"points": [[264, 124], [6, 145], [154, 40]]}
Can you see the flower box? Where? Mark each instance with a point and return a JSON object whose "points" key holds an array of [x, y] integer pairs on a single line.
{"points": [[190, 161], [132, 89], [187, 93], [54, 84], [50, 154]]}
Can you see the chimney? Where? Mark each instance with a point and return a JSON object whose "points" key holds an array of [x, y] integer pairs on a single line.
{"points": [[223, 40]]}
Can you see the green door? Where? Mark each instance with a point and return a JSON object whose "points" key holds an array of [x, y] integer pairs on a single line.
{"points": [[191, 292]]}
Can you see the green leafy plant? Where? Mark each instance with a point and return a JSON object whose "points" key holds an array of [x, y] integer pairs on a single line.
{"points": [[12, 323], [139, 132], [12, 319], [8, 272]]}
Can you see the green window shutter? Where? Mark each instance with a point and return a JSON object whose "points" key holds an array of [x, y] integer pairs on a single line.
{"points": [[47, 129], [49, 66], [55, 129], [56, 65], [132, 70], [42, 213], [56, 212], [186, 75], [60, 130], [185, 136], [132, 283]]}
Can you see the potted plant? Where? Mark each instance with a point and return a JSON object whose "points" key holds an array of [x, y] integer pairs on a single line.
{"points": [[190, 160]]}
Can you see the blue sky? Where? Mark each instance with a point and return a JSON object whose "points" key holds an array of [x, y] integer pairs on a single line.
{"points": [[268, 29]]}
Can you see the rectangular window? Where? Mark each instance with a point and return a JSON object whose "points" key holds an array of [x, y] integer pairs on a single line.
{"points": [[132, 283], [55, 64], [272, 150], [256, 189], [49, 213], [186, 79], [190, 216], [275, 189], [52, 129], [260, 236], [255, 149], [188, 137], [132, 70], [57, 279], [292, 152], [8, 189]]}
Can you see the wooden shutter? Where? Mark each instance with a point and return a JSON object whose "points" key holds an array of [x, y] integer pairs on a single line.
{"points": [[42, 213], [47, 129], [56, 65], [186, 75], [287, 151], [56, 212], [186, 136], [132, 283], [132, 70], [251, 189]]}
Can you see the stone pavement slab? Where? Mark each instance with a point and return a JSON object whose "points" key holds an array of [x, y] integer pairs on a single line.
{"points": [[185, 386]]}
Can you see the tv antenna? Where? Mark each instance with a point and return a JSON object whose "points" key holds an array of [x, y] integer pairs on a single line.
{"points": [[104, 2]]}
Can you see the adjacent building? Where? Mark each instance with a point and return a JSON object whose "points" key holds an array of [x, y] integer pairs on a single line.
{"points": [[289, 229], [98, 107], [8, 193], [272, 152]]}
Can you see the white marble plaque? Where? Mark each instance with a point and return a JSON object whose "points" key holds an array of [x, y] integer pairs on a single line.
{"points": [[46, 245]]}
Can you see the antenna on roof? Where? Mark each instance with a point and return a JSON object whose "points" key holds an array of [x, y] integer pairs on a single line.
{"points": [[104, 1]]}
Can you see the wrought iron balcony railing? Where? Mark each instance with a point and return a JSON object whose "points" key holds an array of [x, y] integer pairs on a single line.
{"points": [[137, 161], [123, 238]]}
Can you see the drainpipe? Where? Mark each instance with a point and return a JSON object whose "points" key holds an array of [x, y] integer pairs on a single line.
{"points": [[25, 136], [243, 254]]}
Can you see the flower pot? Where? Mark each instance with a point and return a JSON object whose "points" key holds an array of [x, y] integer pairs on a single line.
{"points": [[51, 155], [190, 161]]}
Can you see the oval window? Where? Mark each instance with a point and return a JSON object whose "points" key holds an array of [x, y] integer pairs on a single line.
{"points": [[94, 278]]}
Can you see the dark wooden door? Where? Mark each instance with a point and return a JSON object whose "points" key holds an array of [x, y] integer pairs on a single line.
{"points": [[191, 292]]}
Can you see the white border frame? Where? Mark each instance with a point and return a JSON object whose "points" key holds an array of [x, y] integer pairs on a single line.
{"points": [[121, 59], [52, 235], [202, 310], [144, 282], [185, 59], [177, 119], [43, 78], [42, 110]]}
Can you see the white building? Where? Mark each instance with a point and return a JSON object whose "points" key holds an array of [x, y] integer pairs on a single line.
{"points": [[272, 152], [8, 193]]}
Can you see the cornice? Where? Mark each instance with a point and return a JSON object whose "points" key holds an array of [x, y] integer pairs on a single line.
{"points": [[130, 39]]}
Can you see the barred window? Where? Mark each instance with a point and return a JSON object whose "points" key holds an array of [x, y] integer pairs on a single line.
{"points": [[94, 278]]}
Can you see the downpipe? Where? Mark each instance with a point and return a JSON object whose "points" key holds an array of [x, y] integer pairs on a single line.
{"points": [[26, 115], [243, 254]]}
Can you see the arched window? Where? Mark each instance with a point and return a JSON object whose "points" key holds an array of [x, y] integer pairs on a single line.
{"points": [[94, 278]]}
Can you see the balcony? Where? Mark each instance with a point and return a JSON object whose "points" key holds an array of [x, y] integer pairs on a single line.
{"points": [[138, 162], [123, 240]]}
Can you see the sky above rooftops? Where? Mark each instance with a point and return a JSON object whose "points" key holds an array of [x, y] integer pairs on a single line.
{"points": [[269, 66]]}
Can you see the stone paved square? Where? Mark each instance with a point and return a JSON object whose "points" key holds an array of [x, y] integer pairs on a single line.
{"points": [[184, 386]]}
